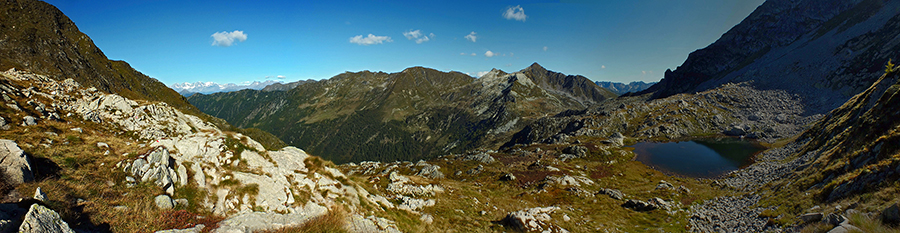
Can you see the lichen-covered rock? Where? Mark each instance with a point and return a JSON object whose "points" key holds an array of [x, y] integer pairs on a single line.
{"points": [[164, 202], [14, 163], [534, 219], [40, 219], [613, 193]]}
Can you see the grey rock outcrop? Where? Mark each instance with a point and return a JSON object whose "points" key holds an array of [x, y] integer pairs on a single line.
{"points": [[29, 121], [613, 193], [164, 202], [639, 205], [534, 219], [40, 195], [403, 186], [3, 124], [14, 163], [261, 221], [358, 223], [157, 167], [40, 219], [480, 157]]}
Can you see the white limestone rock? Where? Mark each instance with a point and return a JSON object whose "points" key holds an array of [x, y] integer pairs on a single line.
{"points": [[14, 163], [40, 219]]}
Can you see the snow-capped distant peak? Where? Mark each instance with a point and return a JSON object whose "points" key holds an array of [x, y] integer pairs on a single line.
{"points": [[212, 87]]}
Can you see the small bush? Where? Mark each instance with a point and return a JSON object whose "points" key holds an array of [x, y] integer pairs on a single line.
{"points": [[74, 139], [180, 219], [889, 67]]}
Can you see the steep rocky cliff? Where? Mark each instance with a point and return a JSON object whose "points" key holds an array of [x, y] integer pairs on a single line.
{"points": [[414, 114], [824, 51]]}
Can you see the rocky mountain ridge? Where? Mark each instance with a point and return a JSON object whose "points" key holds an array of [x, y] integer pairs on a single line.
{"points": [[822, 51], [414, 114], [38, 37]]}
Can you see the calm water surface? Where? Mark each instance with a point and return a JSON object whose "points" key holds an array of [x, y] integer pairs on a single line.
{"points": [[699, 157]]}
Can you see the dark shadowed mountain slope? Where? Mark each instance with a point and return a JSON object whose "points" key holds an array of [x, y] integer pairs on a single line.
{"points": [[38, 37], [409, 115], [820, 50]]}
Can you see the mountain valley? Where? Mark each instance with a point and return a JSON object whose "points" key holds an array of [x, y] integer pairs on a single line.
{"points": [[92, 145]]}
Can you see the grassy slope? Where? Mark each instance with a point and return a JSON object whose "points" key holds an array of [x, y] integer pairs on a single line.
{"points": [[410, 115], [858, 150]]}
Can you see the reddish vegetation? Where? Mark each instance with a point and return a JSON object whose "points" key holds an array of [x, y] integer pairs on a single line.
{"points": [[526, 178], [181, 219], [601, 171]]}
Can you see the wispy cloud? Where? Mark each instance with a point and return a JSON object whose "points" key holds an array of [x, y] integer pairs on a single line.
{"points": [[489, 54], [225, 39], [472, 37], [515, 13], [545, 48], [481, 73], [280, 76], [370, 40], [473, 54], [418, 36], [602, 66]]}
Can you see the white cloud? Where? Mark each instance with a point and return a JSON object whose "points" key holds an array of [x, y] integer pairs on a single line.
{"points": [[602, 66], [225, 39], [545, 48], [370, 40], [418, 36], [515, 13], [462, 54], [280, 76], [473, 54], [424, 39], [481, 73], [472, 37], [489, 54], [412, 34]]}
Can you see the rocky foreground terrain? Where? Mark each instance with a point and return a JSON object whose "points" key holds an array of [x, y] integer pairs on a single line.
{"points": [[116, 146]]}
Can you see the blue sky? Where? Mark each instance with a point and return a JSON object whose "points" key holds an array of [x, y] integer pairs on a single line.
{"points": [[623, 41]]}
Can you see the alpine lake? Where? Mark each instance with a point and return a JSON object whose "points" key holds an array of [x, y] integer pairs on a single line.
{"points": [[698, 158]]}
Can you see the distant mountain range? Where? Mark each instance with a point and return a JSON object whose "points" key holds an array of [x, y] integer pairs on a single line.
{"points": [[188, 89], [622, 88], [410, 115]]}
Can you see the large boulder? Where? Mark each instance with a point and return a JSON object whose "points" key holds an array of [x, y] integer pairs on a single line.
{"points": [[639, 205], [40, 219], [164, 202], [14, 163], [534, 219]]}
